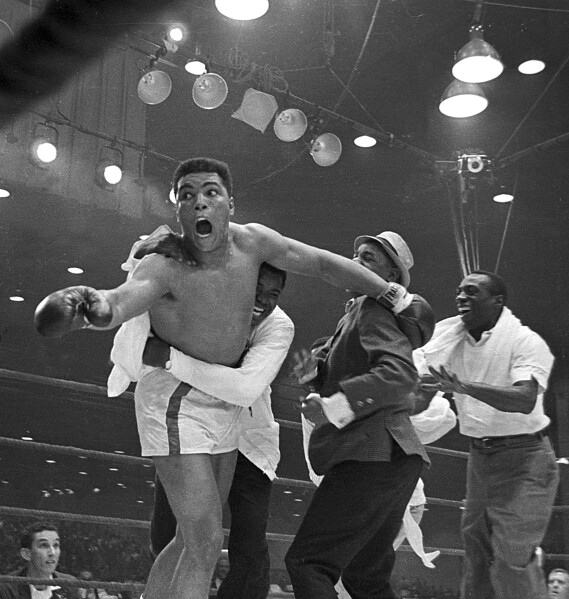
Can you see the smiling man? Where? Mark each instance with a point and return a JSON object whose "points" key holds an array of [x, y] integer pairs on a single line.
{"points": [[40, 548], [202, 306], [497, 370]]}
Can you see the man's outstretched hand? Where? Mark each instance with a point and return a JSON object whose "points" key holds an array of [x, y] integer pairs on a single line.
{"points": [[170, 245], [304, 366]]}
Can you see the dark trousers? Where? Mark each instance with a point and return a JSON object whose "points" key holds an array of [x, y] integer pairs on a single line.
{"points": [[249, 563], [349, 529]]}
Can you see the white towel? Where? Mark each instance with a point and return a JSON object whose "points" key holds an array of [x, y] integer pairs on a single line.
{"points": [[451, 331], [126, 354], [130, 339], [414, 535]]}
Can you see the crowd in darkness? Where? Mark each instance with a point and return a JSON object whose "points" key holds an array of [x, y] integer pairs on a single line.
{"points": [[120, 554]]}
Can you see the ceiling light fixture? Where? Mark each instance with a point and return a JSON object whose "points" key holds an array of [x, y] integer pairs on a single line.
{"points": [[531, 67], [242, 10], [195, 66], [477, 61], [44, 144], [4, 191], [462, 100], [154, 86], [365, 141], [176, 33], [109, 169], [326, 149], [290, 124], [503, 196], [196, 63], [209, 91]]}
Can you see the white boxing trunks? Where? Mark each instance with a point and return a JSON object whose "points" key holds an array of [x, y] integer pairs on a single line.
{"points": [[175, 418]]}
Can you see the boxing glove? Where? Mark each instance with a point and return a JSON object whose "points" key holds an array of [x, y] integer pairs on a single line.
{"points": [[71, 309], [170, 245]]}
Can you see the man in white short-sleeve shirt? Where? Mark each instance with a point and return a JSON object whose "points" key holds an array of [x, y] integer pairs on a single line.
{"points": [[498, 370]]}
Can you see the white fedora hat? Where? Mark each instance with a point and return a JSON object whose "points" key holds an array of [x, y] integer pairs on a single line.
{"points": [[395, 247]]}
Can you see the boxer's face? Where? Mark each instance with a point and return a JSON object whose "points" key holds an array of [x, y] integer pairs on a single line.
{"points": [[203, 208]]}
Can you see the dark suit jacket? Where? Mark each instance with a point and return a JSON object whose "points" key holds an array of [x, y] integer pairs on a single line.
{"points": [[369, 359], [13, 590]]}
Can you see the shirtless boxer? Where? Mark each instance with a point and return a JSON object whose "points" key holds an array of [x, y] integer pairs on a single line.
{"points": [[204, 310]]}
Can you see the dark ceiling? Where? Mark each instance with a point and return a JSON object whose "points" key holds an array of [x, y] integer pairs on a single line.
{"points": [[397, 70]]}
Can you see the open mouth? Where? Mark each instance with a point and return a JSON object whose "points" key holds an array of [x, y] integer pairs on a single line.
{"points": [[463, 310], [258, 311], [203, 227]]}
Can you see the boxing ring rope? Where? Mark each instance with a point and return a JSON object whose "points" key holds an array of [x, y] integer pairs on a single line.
{"points": [[141, 461], [135, 460]]}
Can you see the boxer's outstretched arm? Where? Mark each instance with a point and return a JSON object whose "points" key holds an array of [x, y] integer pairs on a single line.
{"points": [[80, 307], [294, 256]]}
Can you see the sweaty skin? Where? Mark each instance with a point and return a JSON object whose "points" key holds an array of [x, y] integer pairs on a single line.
{"points": [[205, 310]]}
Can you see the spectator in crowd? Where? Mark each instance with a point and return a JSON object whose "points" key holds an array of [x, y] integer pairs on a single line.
{"points": [[558, 584], [40, 548]]}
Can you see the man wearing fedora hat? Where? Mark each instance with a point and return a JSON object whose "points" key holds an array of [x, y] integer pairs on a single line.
{"points": [[363, 440]]}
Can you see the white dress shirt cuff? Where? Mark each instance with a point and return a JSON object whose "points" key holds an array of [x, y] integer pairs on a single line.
{"points": [[338, 410]]}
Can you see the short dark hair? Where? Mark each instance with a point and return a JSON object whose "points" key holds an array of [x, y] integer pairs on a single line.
{"points": [[30, 531], [561, 570], [496, 285], [265, 266], [204, 165]]}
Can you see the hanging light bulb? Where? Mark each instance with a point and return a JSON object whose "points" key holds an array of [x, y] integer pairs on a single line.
{"points": [[461, 100], [477, 61], [503, 197], [176, 33], [109, 169], [290, 124], [44, 144], [154, 87], [531, 67], [209, 91], [242, 10], [365, 141], [326, 149], [194, 66]]}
